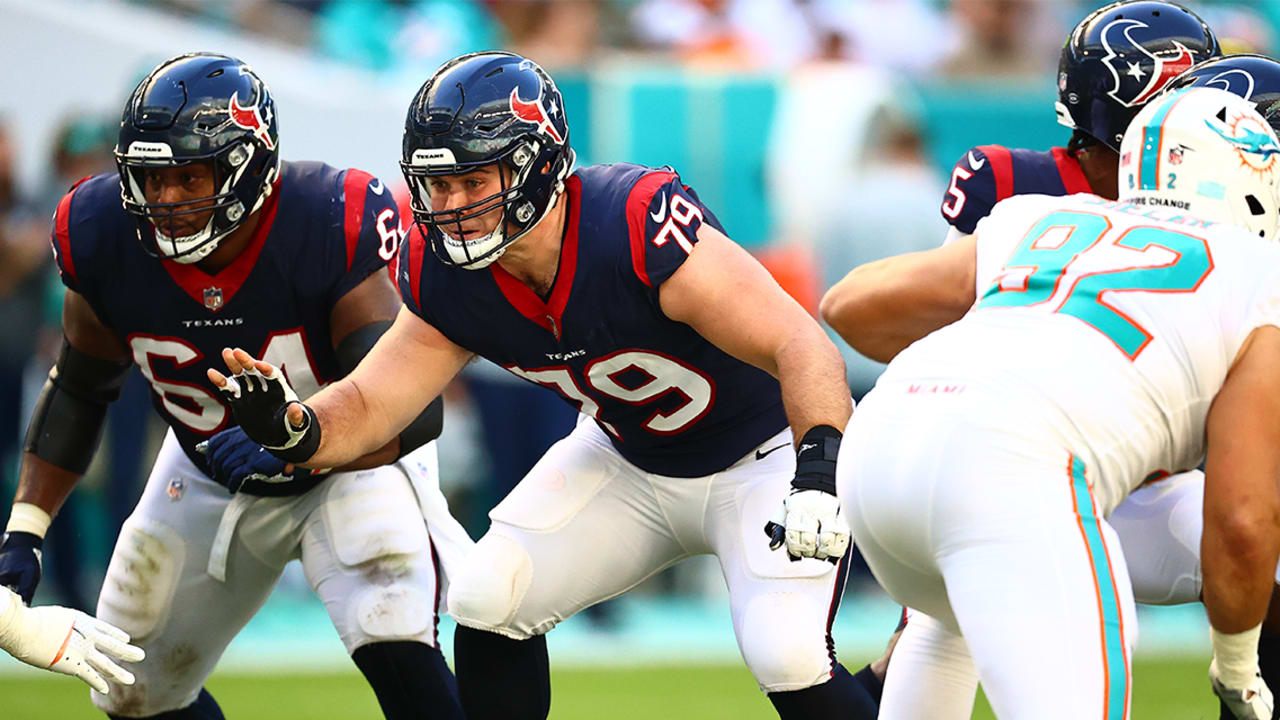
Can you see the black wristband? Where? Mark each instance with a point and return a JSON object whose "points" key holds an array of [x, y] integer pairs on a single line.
{"points": [[816, 459], [19, 539]]}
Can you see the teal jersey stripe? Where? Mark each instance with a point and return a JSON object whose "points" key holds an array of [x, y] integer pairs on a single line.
{"points": [[1115, 663], [1149, 168]]}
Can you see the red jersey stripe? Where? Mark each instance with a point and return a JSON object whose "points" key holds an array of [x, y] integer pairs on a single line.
{"points": [[354, 188], [637, 210], [1001, 168]]}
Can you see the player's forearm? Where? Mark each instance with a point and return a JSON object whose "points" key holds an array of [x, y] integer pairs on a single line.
{"points": [[384, 455], [44, 484], [814, 389], [865, 309], [1238, 554], [350, 426]]}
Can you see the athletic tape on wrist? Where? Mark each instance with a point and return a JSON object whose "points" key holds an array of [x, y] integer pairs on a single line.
{"points": [[1236, 655], [28, 518]]}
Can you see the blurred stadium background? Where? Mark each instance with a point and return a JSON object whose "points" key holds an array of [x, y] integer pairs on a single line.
{"points": [[822, 133]]}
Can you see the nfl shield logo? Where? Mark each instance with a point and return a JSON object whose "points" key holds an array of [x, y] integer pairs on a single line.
{"points": [[1175, 156], [177, 486], [213, 298]]}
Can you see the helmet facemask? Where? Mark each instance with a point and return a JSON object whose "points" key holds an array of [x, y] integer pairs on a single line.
{"points": [[444, 228], [198, 108], [228, 212]]}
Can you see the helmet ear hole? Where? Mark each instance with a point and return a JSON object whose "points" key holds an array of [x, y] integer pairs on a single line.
{"points": [[1255, 206]]}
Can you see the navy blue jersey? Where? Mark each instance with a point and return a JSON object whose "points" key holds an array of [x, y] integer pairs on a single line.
{"points": [[321, 232], [987, 174], [670, 401]]}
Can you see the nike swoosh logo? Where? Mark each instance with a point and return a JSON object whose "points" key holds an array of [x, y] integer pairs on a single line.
{"points": [[661, 215], [760, 455], [975, 163], [376, 186]]}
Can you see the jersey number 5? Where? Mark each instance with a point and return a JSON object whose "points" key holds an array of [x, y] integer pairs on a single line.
{"points": [[1165, 261]]}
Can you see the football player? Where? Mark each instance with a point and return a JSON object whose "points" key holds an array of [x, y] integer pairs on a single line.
{"points": [[1160, 524], [218, 241], [65, 641], [1110, 343], [1114, 61], [694, 373]]}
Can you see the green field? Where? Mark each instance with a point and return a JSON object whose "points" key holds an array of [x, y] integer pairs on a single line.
{"points": [[1165, 689]]}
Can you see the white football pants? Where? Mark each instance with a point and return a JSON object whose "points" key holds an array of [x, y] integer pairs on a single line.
{"points": [[586, 525], [996, 537], [193, 564]]}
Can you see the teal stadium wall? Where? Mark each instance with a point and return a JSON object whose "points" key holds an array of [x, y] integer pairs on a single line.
{"points": [[715, 129]]}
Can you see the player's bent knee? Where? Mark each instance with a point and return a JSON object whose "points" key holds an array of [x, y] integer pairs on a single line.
{"points": [[783, 644], [488, 593], [142, 577]]}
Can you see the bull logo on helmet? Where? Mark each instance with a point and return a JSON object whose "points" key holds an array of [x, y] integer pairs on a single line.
{"points": [[534, 112], [1235, 81], [250, 118], [1138, 82]]}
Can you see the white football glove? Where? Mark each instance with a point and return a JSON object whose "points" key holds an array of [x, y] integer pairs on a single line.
{"points": [[1251, 702], [813, 525], [66, 641]]}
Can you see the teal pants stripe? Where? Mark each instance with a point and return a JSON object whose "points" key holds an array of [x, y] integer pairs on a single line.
{"points": [[1115, 663]]}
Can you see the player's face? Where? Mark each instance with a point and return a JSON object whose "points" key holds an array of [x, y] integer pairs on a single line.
{"points": [[450, 192], [182, 183]]}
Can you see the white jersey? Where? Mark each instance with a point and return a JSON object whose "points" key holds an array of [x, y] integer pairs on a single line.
{"points": [[1111, 325]]}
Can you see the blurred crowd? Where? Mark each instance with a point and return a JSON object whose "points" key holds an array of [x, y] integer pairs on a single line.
{"points": [[848, 180]]}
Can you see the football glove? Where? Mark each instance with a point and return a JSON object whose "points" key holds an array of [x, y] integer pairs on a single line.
{"points": [[259, 401], [20, 562], [66, 641], [1253, 701], [811, 523], [234, 459]]}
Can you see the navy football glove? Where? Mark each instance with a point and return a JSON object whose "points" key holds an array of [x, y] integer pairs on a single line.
{"points": [[234, 459], [20, 556], [259, 402]]}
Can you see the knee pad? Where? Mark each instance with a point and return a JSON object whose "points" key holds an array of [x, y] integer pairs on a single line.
{"points": [[142, 577], [785, 643], [489, 591]]}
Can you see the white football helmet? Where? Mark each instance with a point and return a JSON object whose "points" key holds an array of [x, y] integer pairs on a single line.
{"points": [[1206, 152]]}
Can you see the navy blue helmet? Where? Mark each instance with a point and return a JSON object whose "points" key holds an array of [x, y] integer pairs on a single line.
{"points": [[479, 110], [1253, 77], [1121, 56], [198, 107]]}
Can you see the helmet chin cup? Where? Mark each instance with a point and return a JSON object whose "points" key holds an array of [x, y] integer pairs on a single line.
{"points": [[474, 254], [187, 249]]}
